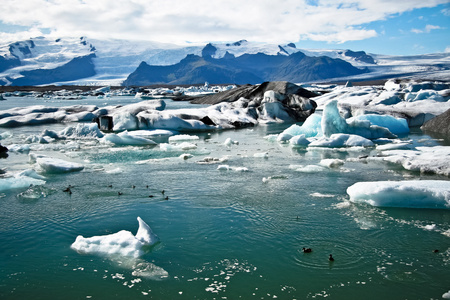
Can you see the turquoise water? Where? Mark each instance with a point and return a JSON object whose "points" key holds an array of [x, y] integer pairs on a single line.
{"points": [[224, 234]]}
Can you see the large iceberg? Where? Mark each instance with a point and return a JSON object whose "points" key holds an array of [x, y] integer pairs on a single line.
{"points": [[122, 243], [414, 193], [54, 165]]}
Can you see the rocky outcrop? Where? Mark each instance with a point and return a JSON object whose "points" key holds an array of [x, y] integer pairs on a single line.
{"points": [[439, 124], [256, 91], [3, 152], [292, 98]]}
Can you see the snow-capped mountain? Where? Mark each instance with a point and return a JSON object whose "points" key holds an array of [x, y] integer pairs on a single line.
{"points": [[83, 61]]}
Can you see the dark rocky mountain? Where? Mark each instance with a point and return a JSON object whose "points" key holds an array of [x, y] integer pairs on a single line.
{"points": [[244, 69], [359, 56], [78, 67]]}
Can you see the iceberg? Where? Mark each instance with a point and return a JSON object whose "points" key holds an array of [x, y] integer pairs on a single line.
{"points": [[82, 130], [342, 140], [122, 243], [395, 125], [423, 159], [126, 139], [54, 165], [21, 180], [414, 193], [333, 122]]}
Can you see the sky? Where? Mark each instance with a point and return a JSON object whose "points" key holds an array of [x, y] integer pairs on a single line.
{"points": [[399, 27]]}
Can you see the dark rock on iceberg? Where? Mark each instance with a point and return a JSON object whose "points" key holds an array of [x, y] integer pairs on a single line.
{"points": [[439, 124]]}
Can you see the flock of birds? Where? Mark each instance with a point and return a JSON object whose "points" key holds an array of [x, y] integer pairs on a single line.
{"points": [[68, 190]]}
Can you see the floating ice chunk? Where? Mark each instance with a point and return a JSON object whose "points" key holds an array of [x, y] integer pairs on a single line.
{"points": [[331, 163], [342, 140], [180, 147], [124, 138], [395, 146], [299, 141], [183, 137], [275, 177], [333, 122], [423, 159], [261, 154], [414, 193], [149, 134], [213, 160], [122, 243], [307, 168], [310, 128], [228, 168], [31, 173], [446, 295], [430, 227], [5, 135], [228, 142], [19, 148], [82, 130], [271, 137], [54, 165], [284, 137], [395, 125], [320, 195], [19, 181]]}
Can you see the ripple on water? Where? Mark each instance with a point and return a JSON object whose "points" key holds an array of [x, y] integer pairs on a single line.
{"points": [[347, 255]]}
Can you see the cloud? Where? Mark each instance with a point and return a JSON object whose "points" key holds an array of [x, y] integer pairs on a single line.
{"points": [[427, 29], [199, 21]]}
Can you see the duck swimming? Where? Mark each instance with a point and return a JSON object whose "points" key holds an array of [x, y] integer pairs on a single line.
{"points": [[307, 250], [331, 258]]}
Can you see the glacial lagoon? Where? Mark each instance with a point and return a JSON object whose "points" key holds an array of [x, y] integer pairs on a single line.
{"points": [[232, 221]]}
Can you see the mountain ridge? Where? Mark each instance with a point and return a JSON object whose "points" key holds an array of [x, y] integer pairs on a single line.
{"points": [[115, 60]]}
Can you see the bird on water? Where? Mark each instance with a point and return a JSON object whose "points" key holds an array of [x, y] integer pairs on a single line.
{"points": [[307, 250], [331, 258]]}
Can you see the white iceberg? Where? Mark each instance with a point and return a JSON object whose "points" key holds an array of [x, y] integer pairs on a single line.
{"points": [[125, 139], [183, 137], [122, 243], [54, 165], [423, 159], [414, 193], [342, 140], [21, 180]]}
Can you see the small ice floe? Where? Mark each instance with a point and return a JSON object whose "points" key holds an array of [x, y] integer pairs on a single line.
{"points": [[342, 140], [299, 141], [54, 165], [423, 159], [21, 180], [228, 168], [307, 168], [178, 147], [261, 155], [125, 139], [395, 146], [446, 295], [228, 142], [414, 193], [213, 160], [320, 195], [183, 138], [332, 163], [275, 177], [122, 243]]}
